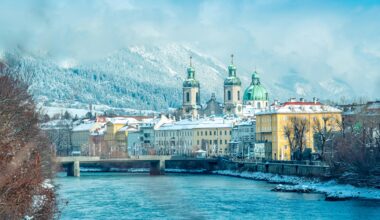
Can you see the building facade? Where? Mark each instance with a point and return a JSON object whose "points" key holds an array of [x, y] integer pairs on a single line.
{"points": [[187, 136], [243, 139], [271, 124]]}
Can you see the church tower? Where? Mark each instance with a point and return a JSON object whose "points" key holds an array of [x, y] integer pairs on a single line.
{"points": [[232, 90], [191, 97]]}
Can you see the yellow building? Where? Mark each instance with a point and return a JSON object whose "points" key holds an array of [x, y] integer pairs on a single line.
{"points": [[187, 136], [116, 135], [271, 123]]}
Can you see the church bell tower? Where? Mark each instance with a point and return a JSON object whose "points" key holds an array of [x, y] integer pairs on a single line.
{"points": [[232, 91], [191, 97]]}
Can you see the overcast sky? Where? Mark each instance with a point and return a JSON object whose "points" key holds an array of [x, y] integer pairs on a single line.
{"points": [[319, 39]]}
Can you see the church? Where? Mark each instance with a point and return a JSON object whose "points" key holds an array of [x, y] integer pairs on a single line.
{"points": [[255, 97]]}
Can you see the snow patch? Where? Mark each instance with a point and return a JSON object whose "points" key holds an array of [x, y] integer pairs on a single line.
{"points": [[331, 189]]}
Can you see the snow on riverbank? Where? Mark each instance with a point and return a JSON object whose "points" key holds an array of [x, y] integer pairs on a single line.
{"points": [[331, 189]]}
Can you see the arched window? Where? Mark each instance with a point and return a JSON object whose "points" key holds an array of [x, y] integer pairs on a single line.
{"points": [[238, 95], [258, 105], [229, 95], [187, 97]]}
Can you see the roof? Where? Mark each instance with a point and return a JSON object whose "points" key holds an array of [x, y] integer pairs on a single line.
{"points": [[255, 91], [84, 127], [299, 107], [188, 124], [56, 124], [123, 121]]}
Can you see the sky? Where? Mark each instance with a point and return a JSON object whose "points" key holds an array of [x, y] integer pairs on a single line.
{"points": [[317, 39]]}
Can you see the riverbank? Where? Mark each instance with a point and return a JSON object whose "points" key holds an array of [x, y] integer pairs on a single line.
{"points": [[332, 190]]}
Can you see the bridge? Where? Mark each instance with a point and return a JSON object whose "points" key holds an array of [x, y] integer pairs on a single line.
{"points": [[156, 163]]}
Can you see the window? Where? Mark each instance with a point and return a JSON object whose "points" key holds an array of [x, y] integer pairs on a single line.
{"points": [[210, 133], [220, 133], [201, 133], [197, 142], [221, 141], [238, 95], [210, 141], [187, 97], [225, 141], [258, 105], [229, 95], [225, 132], [214, 132]]}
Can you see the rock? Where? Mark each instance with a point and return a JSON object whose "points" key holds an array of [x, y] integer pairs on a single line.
{"points": [[297, 189], [336, 198]]}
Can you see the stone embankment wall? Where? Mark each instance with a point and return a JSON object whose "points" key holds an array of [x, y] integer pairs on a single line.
{"points": [[278, 168], [204, 165]]}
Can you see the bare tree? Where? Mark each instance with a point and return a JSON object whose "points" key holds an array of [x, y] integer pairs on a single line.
{"points": [[289, 134], [26, 164], [296, 131], [324, 129], [357, 150]]}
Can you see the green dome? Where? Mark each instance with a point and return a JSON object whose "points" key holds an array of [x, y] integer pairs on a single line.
{"points": [[255, 91], [190, 81], [232, 79]]}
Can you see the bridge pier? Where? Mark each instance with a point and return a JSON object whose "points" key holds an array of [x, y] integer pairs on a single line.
{"points": [[73, 169], [157, 167]]}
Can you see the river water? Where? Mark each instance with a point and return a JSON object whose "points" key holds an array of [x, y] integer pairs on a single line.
{"points": [[182, 196]]}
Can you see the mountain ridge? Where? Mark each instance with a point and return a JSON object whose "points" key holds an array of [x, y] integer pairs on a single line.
{"points": [[149, 77]]}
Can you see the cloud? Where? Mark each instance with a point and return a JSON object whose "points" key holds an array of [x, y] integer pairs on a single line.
{"points": [[318, 39]]}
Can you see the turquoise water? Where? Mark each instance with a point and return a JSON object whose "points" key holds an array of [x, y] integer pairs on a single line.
{"points": [[176, 196]]}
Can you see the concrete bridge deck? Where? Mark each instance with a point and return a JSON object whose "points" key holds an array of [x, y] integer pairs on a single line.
{"points": [[157, 163]]}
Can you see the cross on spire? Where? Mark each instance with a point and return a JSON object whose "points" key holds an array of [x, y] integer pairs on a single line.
{"points": [[232, 59], [190, 61]]}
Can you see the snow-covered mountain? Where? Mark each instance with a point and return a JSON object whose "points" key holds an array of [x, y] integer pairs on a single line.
{"points": [[148, 77]]}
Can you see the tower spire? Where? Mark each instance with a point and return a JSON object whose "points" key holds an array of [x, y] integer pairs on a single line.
{"points": [[232, 59], [191, 65]]}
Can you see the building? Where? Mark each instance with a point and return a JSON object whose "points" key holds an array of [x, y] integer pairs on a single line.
{"points": [[232, 90], [191, 104], [271, 124], [187, 136], [141, 141], [243, 139], [255, 97], [59, 133], [213, 107], [80, 137], [116, 134]]}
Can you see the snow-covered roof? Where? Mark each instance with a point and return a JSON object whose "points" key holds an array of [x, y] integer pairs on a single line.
{"points": [[56, 124], [188, 124], [299, 107], [84, 127], [246, 123], [128, 128]]}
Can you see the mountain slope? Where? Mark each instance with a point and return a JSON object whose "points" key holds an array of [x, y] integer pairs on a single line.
{"points": [[149, 77]]}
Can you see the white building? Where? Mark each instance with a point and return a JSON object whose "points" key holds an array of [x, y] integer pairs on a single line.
{"points": [[243, 139]]}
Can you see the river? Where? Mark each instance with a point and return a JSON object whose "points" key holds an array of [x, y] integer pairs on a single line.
{"points": [[182, 196]]}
